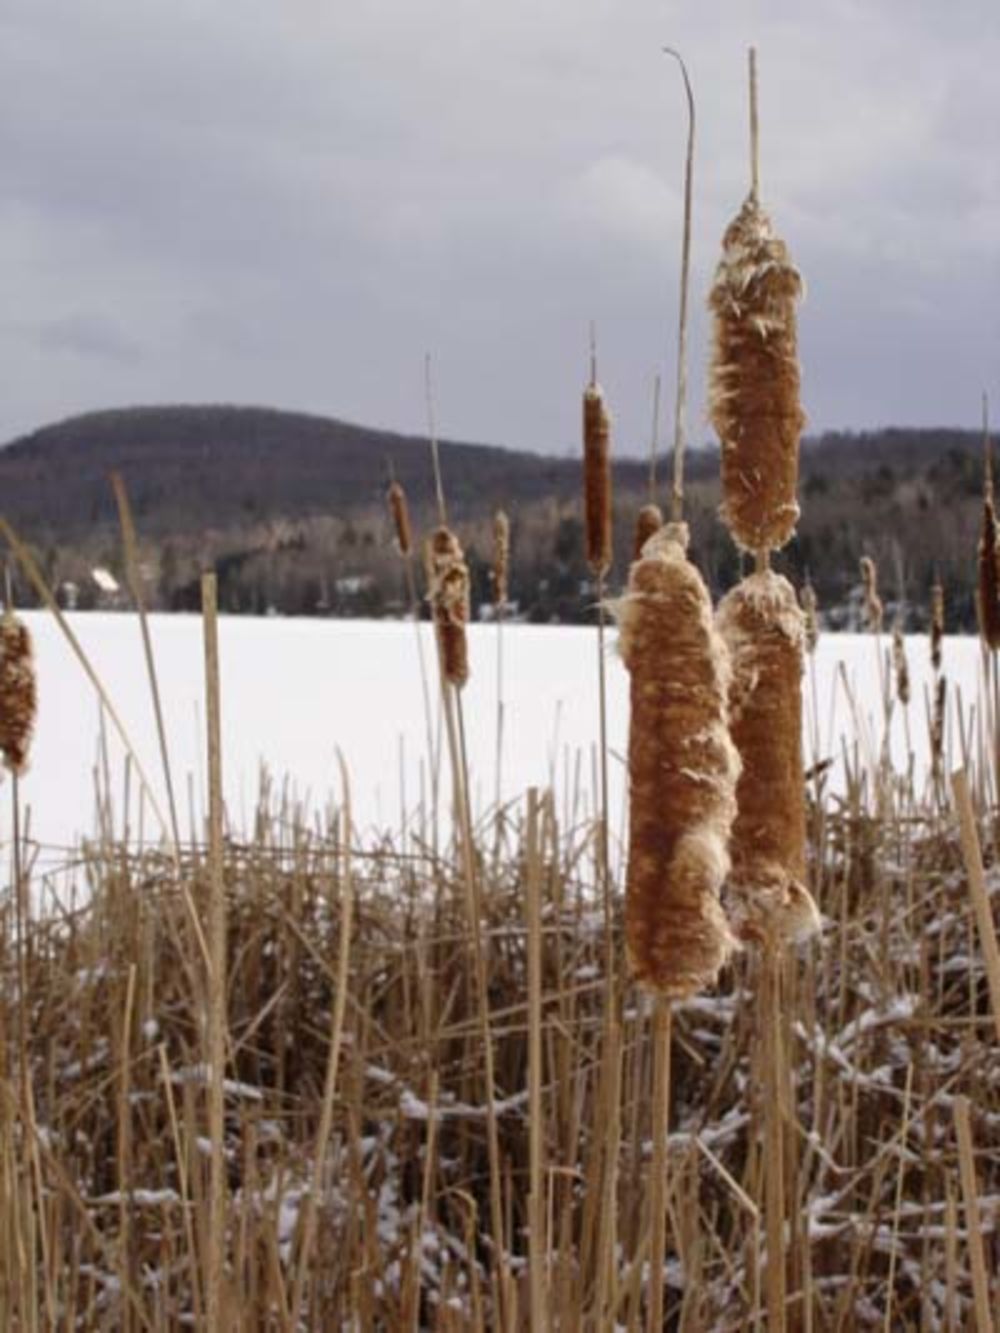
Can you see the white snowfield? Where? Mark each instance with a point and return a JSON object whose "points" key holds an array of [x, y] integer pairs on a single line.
{"points": [[296, 691]]}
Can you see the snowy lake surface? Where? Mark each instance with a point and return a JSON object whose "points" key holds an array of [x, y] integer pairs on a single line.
{"points": [[294, 692]]}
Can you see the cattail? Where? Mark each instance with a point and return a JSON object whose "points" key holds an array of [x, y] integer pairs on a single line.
{"points": [[597, 478], [754, 381], [501, 557], [763, 628], [682, 772], [448, 594], [648, 521], [400, 512], [900, 666], [937, 623], [937, 725], [988, 584], [18, 692], [872, 609], [810, 617]]}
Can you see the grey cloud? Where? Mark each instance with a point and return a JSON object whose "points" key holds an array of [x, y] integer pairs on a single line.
{"points": [[293, 205], [89, 336]]}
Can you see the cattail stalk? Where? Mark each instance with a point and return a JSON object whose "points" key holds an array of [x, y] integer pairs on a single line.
{"points": [[18, 692], [682, 773], [763, 627], [501, 592], [399, 512], [754, 381], [597, 476], [650, 516], [448, 594], [872, 608], [937, 624]]}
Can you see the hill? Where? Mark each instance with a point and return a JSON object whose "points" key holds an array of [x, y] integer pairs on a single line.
{"points": [[290, 507]]}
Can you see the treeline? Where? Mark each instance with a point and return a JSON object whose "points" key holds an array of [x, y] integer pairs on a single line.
{"points": [[289, 509]]}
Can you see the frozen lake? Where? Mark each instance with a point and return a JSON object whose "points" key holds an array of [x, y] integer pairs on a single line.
{"points": [[294, 691]]}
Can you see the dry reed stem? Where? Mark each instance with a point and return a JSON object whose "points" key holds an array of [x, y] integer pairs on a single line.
{"points": [[130, 543], [501, 557], [872, 608], [754, 381], [978, 891], [648, 521], [399, 511], [597, 479], [973, 1220], [448, 594], [215, 1053], [762, 626], [682, 772], [901, 666], [325, 1125], [18, 692]]}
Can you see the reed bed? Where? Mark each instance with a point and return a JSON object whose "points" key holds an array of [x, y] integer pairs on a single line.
{"points": [[105, 1197]]}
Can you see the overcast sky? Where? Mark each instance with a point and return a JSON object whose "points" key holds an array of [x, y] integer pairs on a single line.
{"points": [[286, 202]]}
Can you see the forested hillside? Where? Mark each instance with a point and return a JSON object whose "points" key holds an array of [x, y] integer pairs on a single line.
{"points": [[290, 508]]}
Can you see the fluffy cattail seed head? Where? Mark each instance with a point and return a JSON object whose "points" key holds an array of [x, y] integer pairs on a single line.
{"points": [[937, 624], [448, 594], [874, 612], [400, 512], [754, 381], [810, 617], [988, 582], [18, 692], [501, 557], [648, 521], [762, 626], [901, 667], [597, 478], [682, 772]]}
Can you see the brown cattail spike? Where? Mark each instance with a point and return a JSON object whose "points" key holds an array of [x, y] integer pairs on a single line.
{"points": [[754, 381], [18, 692], [872, 608], [763, 628], [937, 623], [648, 521], [810, 616], [400, 512], [448, 594], [900, 665], [988, 581], [597, 478], [682, 772], [501, 557]]}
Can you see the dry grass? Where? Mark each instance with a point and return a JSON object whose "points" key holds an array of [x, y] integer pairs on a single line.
{"points": [[105, 1193]]}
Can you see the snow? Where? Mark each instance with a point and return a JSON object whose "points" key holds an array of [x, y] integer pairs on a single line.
{"points": [[294, 692]]}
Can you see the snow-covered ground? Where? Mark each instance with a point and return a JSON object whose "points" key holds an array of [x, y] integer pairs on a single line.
{"points": [[294, 691]]}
